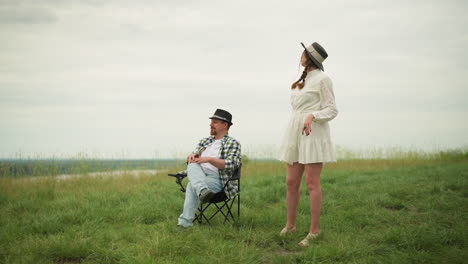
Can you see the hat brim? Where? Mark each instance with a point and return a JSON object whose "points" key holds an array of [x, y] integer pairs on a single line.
{"points": [[312, 57], [225, 120]]}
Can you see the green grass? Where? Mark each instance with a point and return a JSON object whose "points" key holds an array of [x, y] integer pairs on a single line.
{"points": [[411, 210]]}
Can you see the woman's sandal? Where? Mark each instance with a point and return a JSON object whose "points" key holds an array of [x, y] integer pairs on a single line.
{"points": [[286, 231], [306, 241]]}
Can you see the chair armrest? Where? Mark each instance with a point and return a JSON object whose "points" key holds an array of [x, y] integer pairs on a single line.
{"points": [[179, 177], [235, 177], [237, 174]]}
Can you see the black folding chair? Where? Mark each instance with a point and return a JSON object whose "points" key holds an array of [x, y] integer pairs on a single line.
{"points": [[227, 203]]}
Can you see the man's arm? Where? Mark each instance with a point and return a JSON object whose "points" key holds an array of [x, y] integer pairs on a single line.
{"points": [[233, 157], [218, 163]]}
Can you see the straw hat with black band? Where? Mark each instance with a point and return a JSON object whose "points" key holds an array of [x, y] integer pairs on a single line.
{"points": [[316, 53]]}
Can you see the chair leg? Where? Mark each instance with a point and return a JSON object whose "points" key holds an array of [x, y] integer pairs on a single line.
{"points": [[207, 220], [228, 205], [238, 206], [198, 217], [201, 214], [229, 212], [220, 210]]}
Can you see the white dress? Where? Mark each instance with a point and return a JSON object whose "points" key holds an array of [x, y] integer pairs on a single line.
{"points": [[315, 98]]}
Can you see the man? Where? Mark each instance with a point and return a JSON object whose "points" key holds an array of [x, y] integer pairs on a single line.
{"points": [[210, 166]]}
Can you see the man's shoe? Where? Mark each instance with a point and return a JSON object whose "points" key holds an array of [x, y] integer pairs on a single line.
{"points": [[206, 195]]}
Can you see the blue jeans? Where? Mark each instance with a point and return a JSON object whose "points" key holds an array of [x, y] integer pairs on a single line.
{"points": [[197, 181]]}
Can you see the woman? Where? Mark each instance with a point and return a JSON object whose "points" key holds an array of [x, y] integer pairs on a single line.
{"points": [[307, 143]]}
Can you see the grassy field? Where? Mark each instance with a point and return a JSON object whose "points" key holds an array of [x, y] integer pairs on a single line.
{"points": [[403, 210]]}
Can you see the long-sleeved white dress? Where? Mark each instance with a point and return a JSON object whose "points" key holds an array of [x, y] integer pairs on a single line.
{"points": [[315, 98]]}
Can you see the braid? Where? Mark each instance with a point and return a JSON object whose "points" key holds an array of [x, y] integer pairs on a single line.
{"points": [[298, 83]]}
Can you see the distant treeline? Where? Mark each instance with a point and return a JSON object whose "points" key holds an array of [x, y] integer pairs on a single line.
{"points": [[21, 168], [52, 167]]}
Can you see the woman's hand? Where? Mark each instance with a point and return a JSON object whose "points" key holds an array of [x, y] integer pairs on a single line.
{"points": [[307, 128]]}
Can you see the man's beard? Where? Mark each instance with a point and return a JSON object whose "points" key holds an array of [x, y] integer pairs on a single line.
{"points": [[212, 132]]}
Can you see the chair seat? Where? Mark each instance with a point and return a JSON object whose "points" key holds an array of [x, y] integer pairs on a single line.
{"points": [[219, 197]]}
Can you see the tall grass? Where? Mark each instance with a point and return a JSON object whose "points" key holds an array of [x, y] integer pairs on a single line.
{"points": [[402, 210]]}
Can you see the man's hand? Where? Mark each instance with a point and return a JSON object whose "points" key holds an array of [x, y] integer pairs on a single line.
{"points": [[192, 157], [202, 159], [218, 163]]}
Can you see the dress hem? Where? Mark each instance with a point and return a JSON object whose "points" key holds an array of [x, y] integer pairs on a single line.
{"points": [[308, 162]]}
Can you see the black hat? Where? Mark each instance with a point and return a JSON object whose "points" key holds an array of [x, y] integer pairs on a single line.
{"points": [[316, 53], [222, 115]]}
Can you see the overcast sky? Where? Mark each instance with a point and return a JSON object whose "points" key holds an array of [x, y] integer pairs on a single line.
{"points": [[139, 79]]}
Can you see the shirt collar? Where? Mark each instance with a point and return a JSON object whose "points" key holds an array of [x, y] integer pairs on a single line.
{"points": [[223, 139]]}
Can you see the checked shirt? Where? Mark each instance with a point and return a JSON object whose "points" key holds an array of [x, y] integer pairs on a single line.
{"points": [[230, 152]]}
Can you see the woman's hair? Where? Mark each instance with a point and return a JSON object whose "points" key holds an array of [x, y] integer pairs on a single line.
{"points": [[300, 83]]}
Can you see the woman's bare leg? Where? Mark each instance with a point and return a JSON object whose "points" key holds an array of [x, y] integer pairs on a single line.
{"points": [[293, 182], [312, 172]]}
